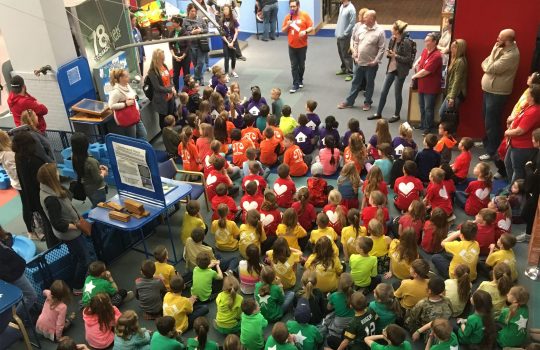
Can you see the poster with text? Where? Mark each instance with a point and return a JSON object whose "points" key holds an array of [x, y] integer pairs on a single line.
{"points": [[132, 166]]}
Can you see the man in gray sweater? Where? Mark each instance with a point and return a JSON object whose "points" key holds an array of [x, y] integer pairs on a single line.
{"points": [[344, 26]]}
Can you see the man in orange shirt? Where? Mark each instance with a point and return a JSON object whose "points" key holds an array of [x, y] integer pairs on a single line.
{"points": [[294, 157], [270, 148], [297, 24]]}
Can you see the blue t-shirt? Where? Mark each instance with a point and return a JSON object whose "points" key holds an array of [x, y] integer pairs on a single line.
{"points": [[386, 168], [303, 136], [426, 160]]}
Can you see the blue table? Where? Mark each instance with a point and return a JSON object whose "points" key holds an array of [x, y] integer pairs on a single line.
{"points": [[173, 195]]}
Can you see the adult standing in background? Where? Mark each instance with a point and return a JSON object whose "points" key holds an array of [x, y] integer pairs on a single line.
{"points": [[137, 37], [164, 91], [354, 33], [193, 26], [428, 74], [269, 9], [367, 52], [500, 69], [344, 27], [297, 24], [229, 25], [181, 58], [446, 39], [532, 189], [122, 96], [20, 100], [400, 60]]}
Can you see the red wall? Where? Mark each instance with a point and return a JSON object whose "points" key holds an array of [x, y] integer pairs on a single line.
{"points": [[479, 23]]}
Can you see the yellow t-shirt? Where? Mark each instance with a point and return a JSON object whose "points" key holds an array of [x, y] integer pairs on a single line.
{"points": [[248, 235], [292, 237], [328, 232], [380, 246], [348, 238], [505, 256], [452, 293], [164, 272], [178, 307], [188, 224], [192, 249], [464, 252], [285, 271], [498, 300], [327, 278], [226, 316], [226, 238], [411, 292], [400, 268]]}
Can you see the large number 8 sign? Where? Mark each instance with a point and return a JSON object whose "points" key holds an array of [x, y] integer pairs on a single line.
{"points": [[101, 37]]}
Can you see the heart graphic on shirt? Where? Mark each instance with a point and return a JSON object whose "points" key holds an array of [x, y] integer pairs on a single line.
{"points": [[332, 216], [207, 161], [211, 179], [249, 205], [443, 193], [267, 219], [482, 193], [406, 188], [280, 189], [504, 224]]}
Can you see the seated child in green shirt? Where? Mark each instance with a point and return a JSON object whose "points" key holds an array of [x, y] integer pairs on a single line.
{"points": [[361, 326], [306, 335], [478, 328], [206, 281], [280, 338], [201, 341], [385, 305], [252, 325], [394, 335], [100, 280], [513, 319], [165, 336], [441, 337]]}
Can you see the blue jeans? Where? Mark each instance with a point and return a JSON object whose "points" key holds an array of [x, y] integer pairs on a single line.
{"points": [[444, 106], [441, 261], [269, 20], [198, 59], [198, 311], [78, 249], [29, 295], [460, 199], [398, 88], [362, 73], [97, 196], [287, 301], [140, 131], [427, 110], [298, 64], [492, 109], [515, 160]]}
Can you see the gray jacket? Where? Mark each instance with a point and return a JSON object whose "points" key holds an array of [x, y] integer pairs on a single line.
{"points": [[403, 51], [65, 215]]}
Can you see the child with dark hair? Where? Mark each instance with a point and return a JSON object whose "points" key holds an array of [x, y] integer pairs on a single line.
{"points": [[270, 214], [284, 260], [329, 156], [287, 123], [411, 291], [192, 219], [149, 290], [262, 118], [360, 326], [435, 230], [206, 281], [270, 148], [250, 131], [252, 199], [305, 333], [364, 266], [164, 271], [218, 175], [170, 136], [100, 317], [408, 187], [477, 194], [182, 309], [313, 118], [284, 187], [485, 236], [273, 124], [100, 280], [479, 327], [239, 147], [304, 136], [397, 167], [384, 162], [294, 157], [225, 230], [201, 341], [330, 128], [382, 135], [252, 325], [52, 321], [165, 337], [255, 102], [280, 338], [220, 198], [463, 160], [194, 246], [395, 337], [274, 303], [446, 142], [502, 252], [427, 158], [353, 127]]}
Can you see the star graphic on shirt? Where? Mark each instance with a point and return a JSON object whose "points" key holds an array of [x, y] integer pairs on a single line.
{"points": [[264, 300], [521, 323], [454, 347], [272, 347], [299, 338], [89, 287]]}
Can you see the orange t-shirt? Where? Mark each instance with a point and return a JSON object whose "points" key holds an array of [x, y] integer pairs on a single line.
{"points": [[301, 21], [294, 158], [278, 134], [190, 155], [253, 134], [268, 151], [348, 156], [166, 79], [239, 149]]}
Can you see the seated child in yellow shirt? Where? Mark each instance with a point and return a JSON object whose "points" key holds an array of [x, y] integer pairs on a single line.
{"points": [[194, 246], [226, 231], [411, 291], [381, 243], [192, 219], [181, 308], [324, 229], [503, 253], [291, 230], [164, 271]]}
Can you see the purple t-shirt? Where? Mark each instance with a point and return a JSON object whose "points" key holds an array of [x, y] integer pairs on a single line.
{"points": [[229, 28], [313, 122], [222, 89], [347, 136], [303, 136], [239, 121], [323, 132], [253, 106], [400, 141], [214, 81]]}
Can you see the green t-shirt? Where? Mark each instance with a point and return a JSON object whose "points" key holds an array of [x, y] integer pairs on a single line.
{"points": [[270, 304], [306, 335], [252, 331], [514, 332], [193, 344], [362, 269], [202, 283], [404, 346], [94, 285], [272, 344], [386, 315], [341, 307], [160, 342], [474, 330], [361, 326], [450, 344]]}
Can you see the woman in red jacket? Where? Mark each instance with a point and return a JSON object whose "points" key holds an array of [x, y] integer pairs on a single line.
{"points": [[20, 100]]}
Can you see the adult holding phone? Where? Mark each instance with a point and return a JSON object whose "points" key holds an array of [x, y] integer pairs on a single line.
{"points": [[297, 24]]}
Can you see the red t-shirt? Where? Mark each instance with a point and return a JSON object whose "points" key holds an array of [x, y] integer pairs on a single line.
{"points": [[268, 154], [213, 179], [528, 120], [190, 156], [461, 164], [504, 225], [478, 197], [383, 187], [209, 166], [407, 189], [432, 62], [253, 134], [331, 211], [284, 190], [239, 149], [371, 213], [450, 187], [308, 217], [203, 146], [301, 21], [427, 239], [249, 202], [270, 220], [294, 158], [437, 196], [407, 221], [317, 191], [485, 236], [259, 180], [229, 201]]}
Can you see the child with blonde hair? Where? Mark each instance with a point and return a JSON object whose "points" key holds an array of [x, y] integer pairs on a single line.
{"points": [[349, 183], [364, 265], [498, 287], [356, 152], [350, 233], [313, 296], [337, 213], [437, 195], [128, 333], [405, 139], [252, 232], [504, 215], [385, 305], [458, 289], [382, 135], [225, 230], [291, 230], [228, 305], [381, 243]]}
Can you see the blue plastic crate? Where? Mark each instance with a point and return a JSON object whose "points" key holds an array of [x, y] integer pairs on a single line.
{"points": [[98, 150], [69, 173], [68, 163], [37, 277], [5, 182], [66, 153]]}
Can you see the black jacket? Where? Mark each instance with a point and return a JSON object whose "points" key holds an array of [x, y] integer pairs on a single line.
{"points": [[532, 176], [11, 264], [27, 169], [404, 59]]}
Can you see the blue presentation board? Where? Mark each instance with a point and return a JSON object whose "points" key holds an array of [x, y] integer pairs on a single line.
{"points": [[75, 82]]}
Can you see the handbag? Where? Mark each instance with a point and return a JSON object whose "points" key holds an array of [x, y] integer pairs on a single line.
{"points": [[77, 190], [127, 116], [85, 226], [38, 226]]}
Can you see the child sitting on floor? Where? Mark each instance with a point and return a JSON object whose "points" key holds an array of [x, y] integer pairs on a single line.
{"points": [[463, 160], [411, 291], [100, 280], [428, 158], [165, 335], [254, 176], [337, 213], [252, 199], [350, 233], [220, 198], [270, 148], [252, 325], [228, 304], [270, 213], [100, 317], [182, 309], [502, 252], [225, 230], [294, 157], [349, 183], [364, 266], [329, 156], [476, 196], [251, 232], [446, 142], [149, 290], [284, 187], [407, 187], [318, 187], [192, 219], [129, 334], [206, 281], [485, 236], [437, 195], [305, 210], [384, 162], [291, 230], [194, 246], [52, 321], [164, 270]]}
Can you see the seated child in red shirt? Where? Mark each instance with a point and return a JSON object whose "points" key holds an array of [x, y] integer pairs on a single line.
{"points": [[270, 214], [232, 170], [504, 215], [284, 187], [463, 160], [216, 176], [270, 148], [435, 230], [476, 196], [318, 187], [251, 200], [413, 218], [336, 212], [485, 220], [407, 187], [222, 197], [437, 196], [254, 171], [305, 210], [446, 142], [374, 182], [239, 147], [376, 209]]}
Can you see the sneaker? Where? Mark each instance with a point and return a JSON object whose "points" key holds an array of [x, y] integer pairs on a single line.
{"points": [[234, 74], [366, 107], [227, 78], [301, 85], [77, 292], [242, 58], [264, 39], [485, 157], [293, 89], [374, 116], [272, 38], [343, 105], [129, 296], [478, 144], [341, 72], [348, 78], [394, 119], [523, 238]]}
